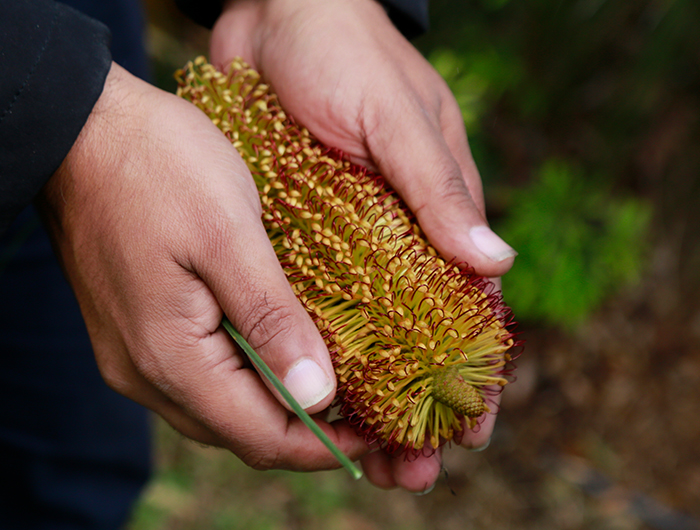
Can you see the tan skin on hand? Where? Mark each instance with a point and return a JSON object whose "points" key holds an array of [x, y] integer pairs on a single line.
{"points": [[157, 223], [343, 70]]}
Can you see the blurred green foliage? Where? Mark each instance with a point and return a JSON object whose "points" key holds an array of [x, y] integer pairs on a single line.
{"points": [[562, 100], [476, 79], [577, 241]]}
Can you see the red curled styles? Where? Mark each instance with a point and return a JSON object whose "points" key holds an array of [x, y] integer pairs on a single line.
{"points": [[397, 319]]}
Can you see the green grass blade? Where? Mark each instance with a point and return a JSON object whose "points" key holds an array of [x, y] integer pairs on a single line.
{"points": [[300, 412]]}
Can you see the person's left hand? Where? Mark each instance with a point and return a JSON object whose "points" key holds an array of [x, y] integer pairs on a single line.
{"points": [[343, 70]]}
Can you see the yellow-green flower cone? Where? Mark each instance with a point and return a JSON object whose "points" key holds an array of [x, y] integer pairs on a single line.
{"points": [[400, 323]]}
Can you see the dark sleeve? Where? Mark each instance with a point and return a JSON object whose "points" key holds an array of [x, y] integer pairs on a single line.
{"points": [[409, 16], [54, 61]]}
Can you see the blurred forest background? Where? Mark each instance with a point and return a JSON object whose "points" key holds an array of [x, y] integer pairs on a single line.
{"points": [[583, 117]]}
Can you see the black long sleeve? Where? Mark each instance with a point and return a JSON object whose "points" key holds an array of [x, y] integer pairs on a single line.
{"points": [[409, 16], [55, 61]]}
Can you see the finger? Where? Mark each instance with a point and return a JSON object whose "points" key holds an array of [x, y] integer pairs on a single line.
{"points": [[235, 403], [124, 378], [207, 379], [243, 273], [412, 154], [203, 373], [378, 470], [419, 475], [455, 135], [478, 439], [414, 474]]}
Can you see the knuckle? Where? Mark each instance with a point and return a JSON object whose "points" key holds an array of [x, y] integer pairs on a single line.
{"points": [[445, 186], [269, 320], [378, 115], [262, 459], [448, 183]]}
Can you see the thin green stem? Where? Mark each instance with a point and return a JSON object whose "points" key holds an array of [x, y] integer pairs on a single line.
{"points": [[303, 416]]}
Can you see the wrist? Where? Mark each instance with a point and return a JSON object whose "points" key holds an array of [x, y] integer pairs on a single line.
{"points": [[90, 157]]}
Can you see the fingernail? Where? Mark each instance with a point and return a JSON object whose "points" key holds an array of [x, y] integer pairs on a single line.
{"points": [[481, 447], [308, 383], [426, 491], [490, 244]]}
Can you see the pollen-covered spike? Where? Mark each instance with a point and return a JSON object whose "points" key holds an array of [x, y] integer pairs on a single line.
{"points": [[393, 314], [450, 388]]}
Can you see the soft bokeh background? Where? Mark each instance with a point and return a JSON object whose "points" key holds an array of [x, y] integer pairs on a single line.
{"points": [[583, 119]]}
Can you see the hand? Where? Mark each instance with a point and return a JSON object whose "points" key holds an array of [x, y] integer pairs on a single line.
{"points": [[157, 222], [343, 70]]}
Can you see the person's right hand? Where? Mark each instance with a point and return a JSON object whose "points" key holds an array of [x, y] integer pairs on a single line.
{"points": [[156, 220]]}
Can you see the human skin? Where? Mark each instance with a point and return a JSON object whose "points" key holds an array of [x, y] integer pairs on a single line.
{"points": [[343, 70], [156, 221]]}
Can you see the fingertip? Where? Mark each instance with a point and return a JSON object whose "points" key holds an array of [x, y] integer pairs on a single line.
{"points": [[419, 475], [378, 470], [478, 247], [459, 232], [426, 491], [482, 447], [490, 245], [480, 440]]}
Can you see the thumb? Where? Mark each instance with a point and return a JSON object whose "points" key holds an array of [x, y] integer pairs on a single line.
{"points": [[444, 193], [248, 281]]}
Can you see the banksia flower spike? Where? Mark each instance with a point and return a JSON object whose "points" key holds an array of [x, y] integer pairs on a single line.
{"points": [[419, 345]]}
